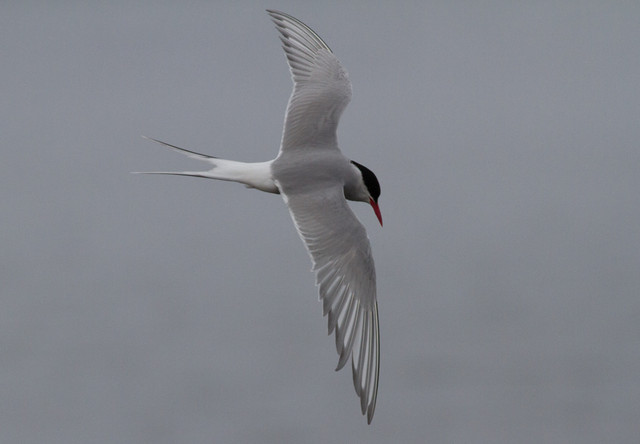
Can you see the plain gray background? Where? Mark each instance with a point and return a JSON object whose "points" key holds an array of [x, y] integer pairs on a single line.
{"points": [[174, 310]]}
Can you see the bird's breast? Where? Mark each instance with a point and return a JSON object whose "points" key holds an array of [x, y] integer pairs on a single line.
{"points": [[307, 171]]}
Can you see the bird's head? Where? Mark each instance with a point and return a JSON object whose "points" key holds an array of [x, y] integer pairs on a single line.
{"points": [[371, 191]]}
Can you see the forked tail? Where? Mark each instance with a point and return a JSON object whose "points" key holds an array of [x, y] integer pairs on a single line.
{"points": [[253, 175]]}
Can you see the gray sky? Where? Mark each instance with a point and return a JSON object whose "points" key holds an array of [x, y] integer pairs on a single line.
{"points": [[167, 309]]}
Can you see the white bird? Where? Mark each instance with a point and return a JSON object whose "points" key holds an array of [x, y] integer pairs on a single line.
{"points": [[316, 180]]}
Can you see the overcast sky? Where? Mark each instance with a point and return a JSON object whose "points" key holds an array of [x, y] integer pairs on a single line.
{"points": [[505, 135]]}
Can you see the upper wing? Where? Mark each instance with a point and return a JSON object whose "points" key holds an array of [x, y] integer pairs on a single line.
{"points": [[321, 87], [346, 276]]}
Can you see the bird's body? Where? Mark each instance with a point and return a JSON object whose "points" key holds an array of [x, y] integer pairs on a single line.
{"points": [[315, 180]]}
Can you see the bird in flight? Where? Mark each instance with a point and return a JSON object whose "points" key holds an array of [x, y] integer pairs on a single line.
{"points": [[315, 180]]}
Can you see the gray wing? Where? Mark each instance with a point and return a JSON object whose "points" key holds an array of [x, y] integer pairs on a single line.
{"points": [[321, 87], [346, 277]]}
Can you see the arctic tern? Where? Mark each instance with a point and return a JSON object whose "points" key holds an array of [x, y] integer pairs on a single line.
{"points": [[315, 180]]}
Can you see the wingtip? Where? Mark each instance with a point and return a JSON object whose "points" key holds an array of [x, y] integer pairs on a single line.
{"points": [[273, 12]]}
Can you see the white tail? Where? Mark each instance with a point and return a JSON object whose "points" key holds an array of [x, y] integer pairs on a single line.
{"points": [[253, 175]]}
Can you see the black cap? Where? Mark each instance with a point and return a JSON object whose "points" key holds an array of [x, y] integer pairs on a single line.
{"points": [[370, 181]]}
